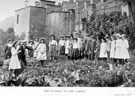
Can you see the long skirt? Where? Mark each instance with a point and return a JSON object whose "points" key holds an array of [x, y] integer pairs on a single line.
{"points": [[62, 50], [81, 52], [75, 53], [70, 54], [52, 50]]}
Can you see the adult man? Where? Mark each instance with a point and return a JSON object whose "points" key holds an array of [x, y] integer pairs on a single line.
{"points": [[90, 47], [22, 55]]}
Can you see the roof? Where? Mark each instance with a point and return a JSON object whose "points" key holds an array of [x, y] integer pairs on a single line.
{"points": [[59, 12], [53, 5], [48, 1], [69, 5], [101, 4], [29, 7], [94, 1]]}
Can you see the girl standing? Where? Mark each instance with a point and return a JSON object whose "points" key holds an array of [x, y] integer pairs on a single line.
{"points": [[79, 40], [36, 43], [113, 49], [41, 52], [103, 51], [125, 46], [67, 46], [75, 49], [61, 46], [52, 47], [71, 47], [14, 62], [108, 45]]}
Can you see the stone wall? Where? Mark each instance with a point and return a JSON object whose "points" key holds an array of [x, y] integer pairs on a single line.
{"points": [[58, 23], [30, 22], [22, 21], [107, 7], [37, 22]]}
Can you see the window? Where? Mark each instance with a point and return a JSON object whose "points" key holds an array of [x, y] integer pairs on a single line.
{"points": [[17, 18]]}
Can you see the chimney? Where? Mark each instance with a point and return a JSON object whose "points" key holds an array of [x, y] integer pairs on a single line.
{"points": [[37, 3]]}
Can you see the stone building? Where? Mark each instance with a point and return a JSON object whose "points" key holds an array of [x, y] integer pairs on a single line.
{"points": [[29, 20], [33, 21], [47, 18]]}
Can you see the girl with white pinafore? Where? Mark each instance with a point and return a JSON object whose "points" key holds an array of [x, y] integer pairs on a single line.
{"points": [[41, 52], [67, 45], [125, 46], [113, 47], [118, 51], [14, 61], [103, 50]]}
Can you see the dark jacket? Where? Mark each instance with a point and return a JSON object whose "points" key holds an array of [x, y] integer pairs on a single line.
{"points": [[22, 55]]}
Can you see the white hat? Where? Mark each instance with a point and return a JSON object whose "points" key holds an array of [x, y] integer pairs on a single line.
{"points": [[118, 35]]}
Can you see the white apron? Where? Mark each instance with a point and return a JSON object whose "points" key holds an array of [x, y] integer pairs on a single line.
{"points": [[41, 52], [14, 61]]}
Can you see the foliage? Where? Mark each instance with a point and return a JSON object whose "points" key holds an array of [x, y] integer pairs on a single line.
{"points": [[83, 73], [107, 24]]}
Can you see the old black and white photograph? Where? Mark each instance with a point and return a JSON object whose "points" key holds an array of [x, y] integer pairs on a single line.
{"points": [[68, 44]]}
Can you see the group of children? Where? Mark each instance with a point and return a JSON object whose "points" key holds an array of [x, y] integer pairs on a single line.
{"points": [[112, 49], [115, 48], [67, 46]]}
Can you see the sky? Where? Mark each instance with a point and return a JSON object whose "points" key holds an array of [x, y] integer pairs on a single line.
{"points": [[8, 7]]}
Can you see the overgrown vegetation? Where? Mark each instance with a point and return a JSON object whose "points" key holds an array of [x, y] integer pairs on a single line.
{"points": [[107, 24], [83, 73]]}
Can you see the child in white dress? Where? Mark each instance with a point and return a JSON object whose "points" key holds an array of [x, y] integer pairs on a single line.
{"points": [[113, 48], [103, 50], [125, 46], [41, 52]]}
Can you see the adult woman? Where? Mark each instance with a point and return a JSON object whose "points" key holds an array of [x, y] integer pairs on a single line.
{"points": [[52, 47], [14, 62], [125, 46], [41, 52]]}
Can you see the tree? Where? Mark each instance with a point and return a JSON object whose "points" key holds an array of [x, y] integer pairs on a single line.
{"points": [[10, 33]]}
